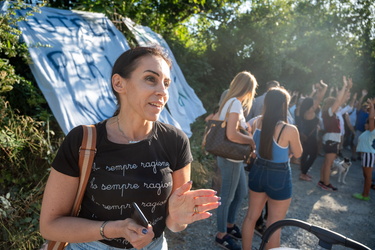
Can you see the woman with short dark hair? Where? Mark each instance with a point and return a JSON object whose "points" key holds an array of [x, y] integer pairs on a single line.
{"points": [[308, 127]]}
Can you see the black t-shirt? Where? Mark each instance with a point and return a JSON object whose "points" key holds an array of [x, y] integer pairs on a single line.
{"points": [[309, 127], [126, 173]]}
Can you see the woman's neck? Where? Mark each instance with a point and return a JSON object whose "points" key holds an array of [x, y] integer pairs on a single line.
{"points": [[131, 130]]}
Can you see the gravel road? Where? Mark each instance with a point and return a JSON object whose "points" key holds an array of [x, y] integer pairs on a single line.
{"points": [[336, 211]]}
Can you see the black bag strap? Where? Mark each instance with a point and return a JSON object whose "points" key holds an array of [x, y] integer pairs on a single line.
{"points": [[281, 130]]}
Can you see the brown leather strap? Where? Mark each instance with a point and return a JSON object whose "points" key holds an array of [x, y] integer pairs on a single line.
{"points": [[86, 158], [227, 114]]}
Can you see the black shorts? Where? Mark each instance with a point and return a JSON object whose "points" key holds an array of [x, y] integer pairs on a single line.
{"points": [[331, 147]]}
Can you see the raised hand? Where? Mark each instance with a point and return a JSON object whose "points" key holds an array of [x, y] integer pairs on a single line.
{"points": [[350, 83], [186, 205], [370, 103], [323, 83], [345, 82]]}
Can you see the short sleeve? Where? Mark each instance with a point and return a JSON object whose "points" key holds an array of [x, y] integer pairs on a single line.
{"points": [[66, 160], [184, 155], [236, 107]]}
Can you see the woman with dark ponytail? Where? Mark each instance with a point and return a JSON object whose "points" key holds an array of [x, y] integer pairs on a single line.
{"points": [[270, 177]]}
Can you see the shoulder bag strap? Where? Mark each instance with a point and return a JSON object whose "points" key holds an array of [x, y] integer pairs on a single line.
{"points": [[86, 158], [227, 114]]}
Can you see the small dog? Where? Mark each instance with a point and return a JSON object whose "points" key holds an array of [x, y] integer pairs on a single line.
{"points": [[341, 166]]}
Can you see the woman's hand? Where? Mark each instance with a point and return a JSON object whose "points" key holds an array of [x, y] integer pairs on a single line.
{"points": [[344, 82], [186, 205], [136, 234], [370, 103], [350, 83]]}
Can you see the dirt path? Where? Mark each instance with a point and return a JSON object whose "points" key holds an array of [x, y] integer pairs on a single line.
{"points": [[336, 211]]}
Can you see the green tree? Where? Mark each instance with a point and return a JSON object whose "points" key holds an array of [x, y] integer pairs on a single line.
{"points": [[295, 42], [162, 16]]}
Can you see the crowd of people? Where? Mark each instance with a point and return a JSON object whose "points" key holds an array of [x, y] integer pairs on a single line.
{"points": [[139, 159], [298, 127], [328, 125]]}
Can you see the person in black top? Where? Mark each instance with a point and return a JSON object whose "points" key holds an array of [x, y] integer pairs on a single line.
{"points": [[308, 127], [138, 159]]}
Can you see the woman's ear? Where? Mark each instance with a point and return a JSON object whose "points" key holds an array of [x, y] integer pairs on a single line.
{"points": [[118, 83]]}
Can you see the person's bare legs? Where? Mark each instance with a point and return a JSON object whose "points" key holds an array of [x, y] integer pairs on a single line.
{"points": [[367, 174], [256, 205], [325, 171], [276, 211]]}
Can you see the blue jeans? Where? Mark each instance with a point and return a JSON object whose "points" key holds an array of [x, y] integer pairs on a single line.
{"points": [[157, 244], [233, 191]]}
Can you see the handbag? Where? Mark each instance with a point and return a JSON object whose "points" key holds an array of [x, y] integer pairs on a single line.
{"points": [[86, 158], [215, 141]]}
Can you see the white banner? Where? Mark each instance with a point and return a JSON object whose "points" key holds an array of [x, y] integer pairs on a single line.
{"points": [[73, 67]]}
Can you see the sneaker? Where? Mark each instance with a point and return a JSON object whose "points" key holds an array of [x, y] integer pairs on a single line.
{"points": [[361, 197], [234, 232], [227, 242], [259, 230], [322, 186], [328, 187], [332, 187]]}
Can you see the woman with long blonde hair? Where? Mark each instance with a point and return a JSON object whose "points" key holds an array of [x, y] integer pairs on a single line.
{"points": [[233, 179]]}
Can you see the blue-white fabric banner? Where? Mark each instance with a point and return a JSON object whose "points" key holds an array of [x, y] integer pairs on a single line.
{"points": [[73, 68], [183, 104]]}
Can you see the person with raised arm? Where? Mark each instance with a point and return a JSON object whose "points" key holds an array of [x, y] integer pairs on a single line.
{"points": [[308, 127], [332, 136]]}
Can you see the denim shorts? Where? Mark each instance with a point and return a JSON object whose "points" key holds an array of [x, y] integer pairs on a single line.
{"points": [[159, 243], [274, 179], [331, 147]]}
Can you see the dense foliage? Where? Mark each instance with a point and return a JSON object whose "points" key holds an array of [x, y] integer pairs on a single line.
{"points": [[295, 42], [27, 144]]}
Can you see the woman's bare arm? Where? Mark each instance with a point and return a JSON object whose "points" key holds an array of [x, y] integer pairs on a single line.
{"points": [[55, 220], [56, 224], [233, 134]]}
